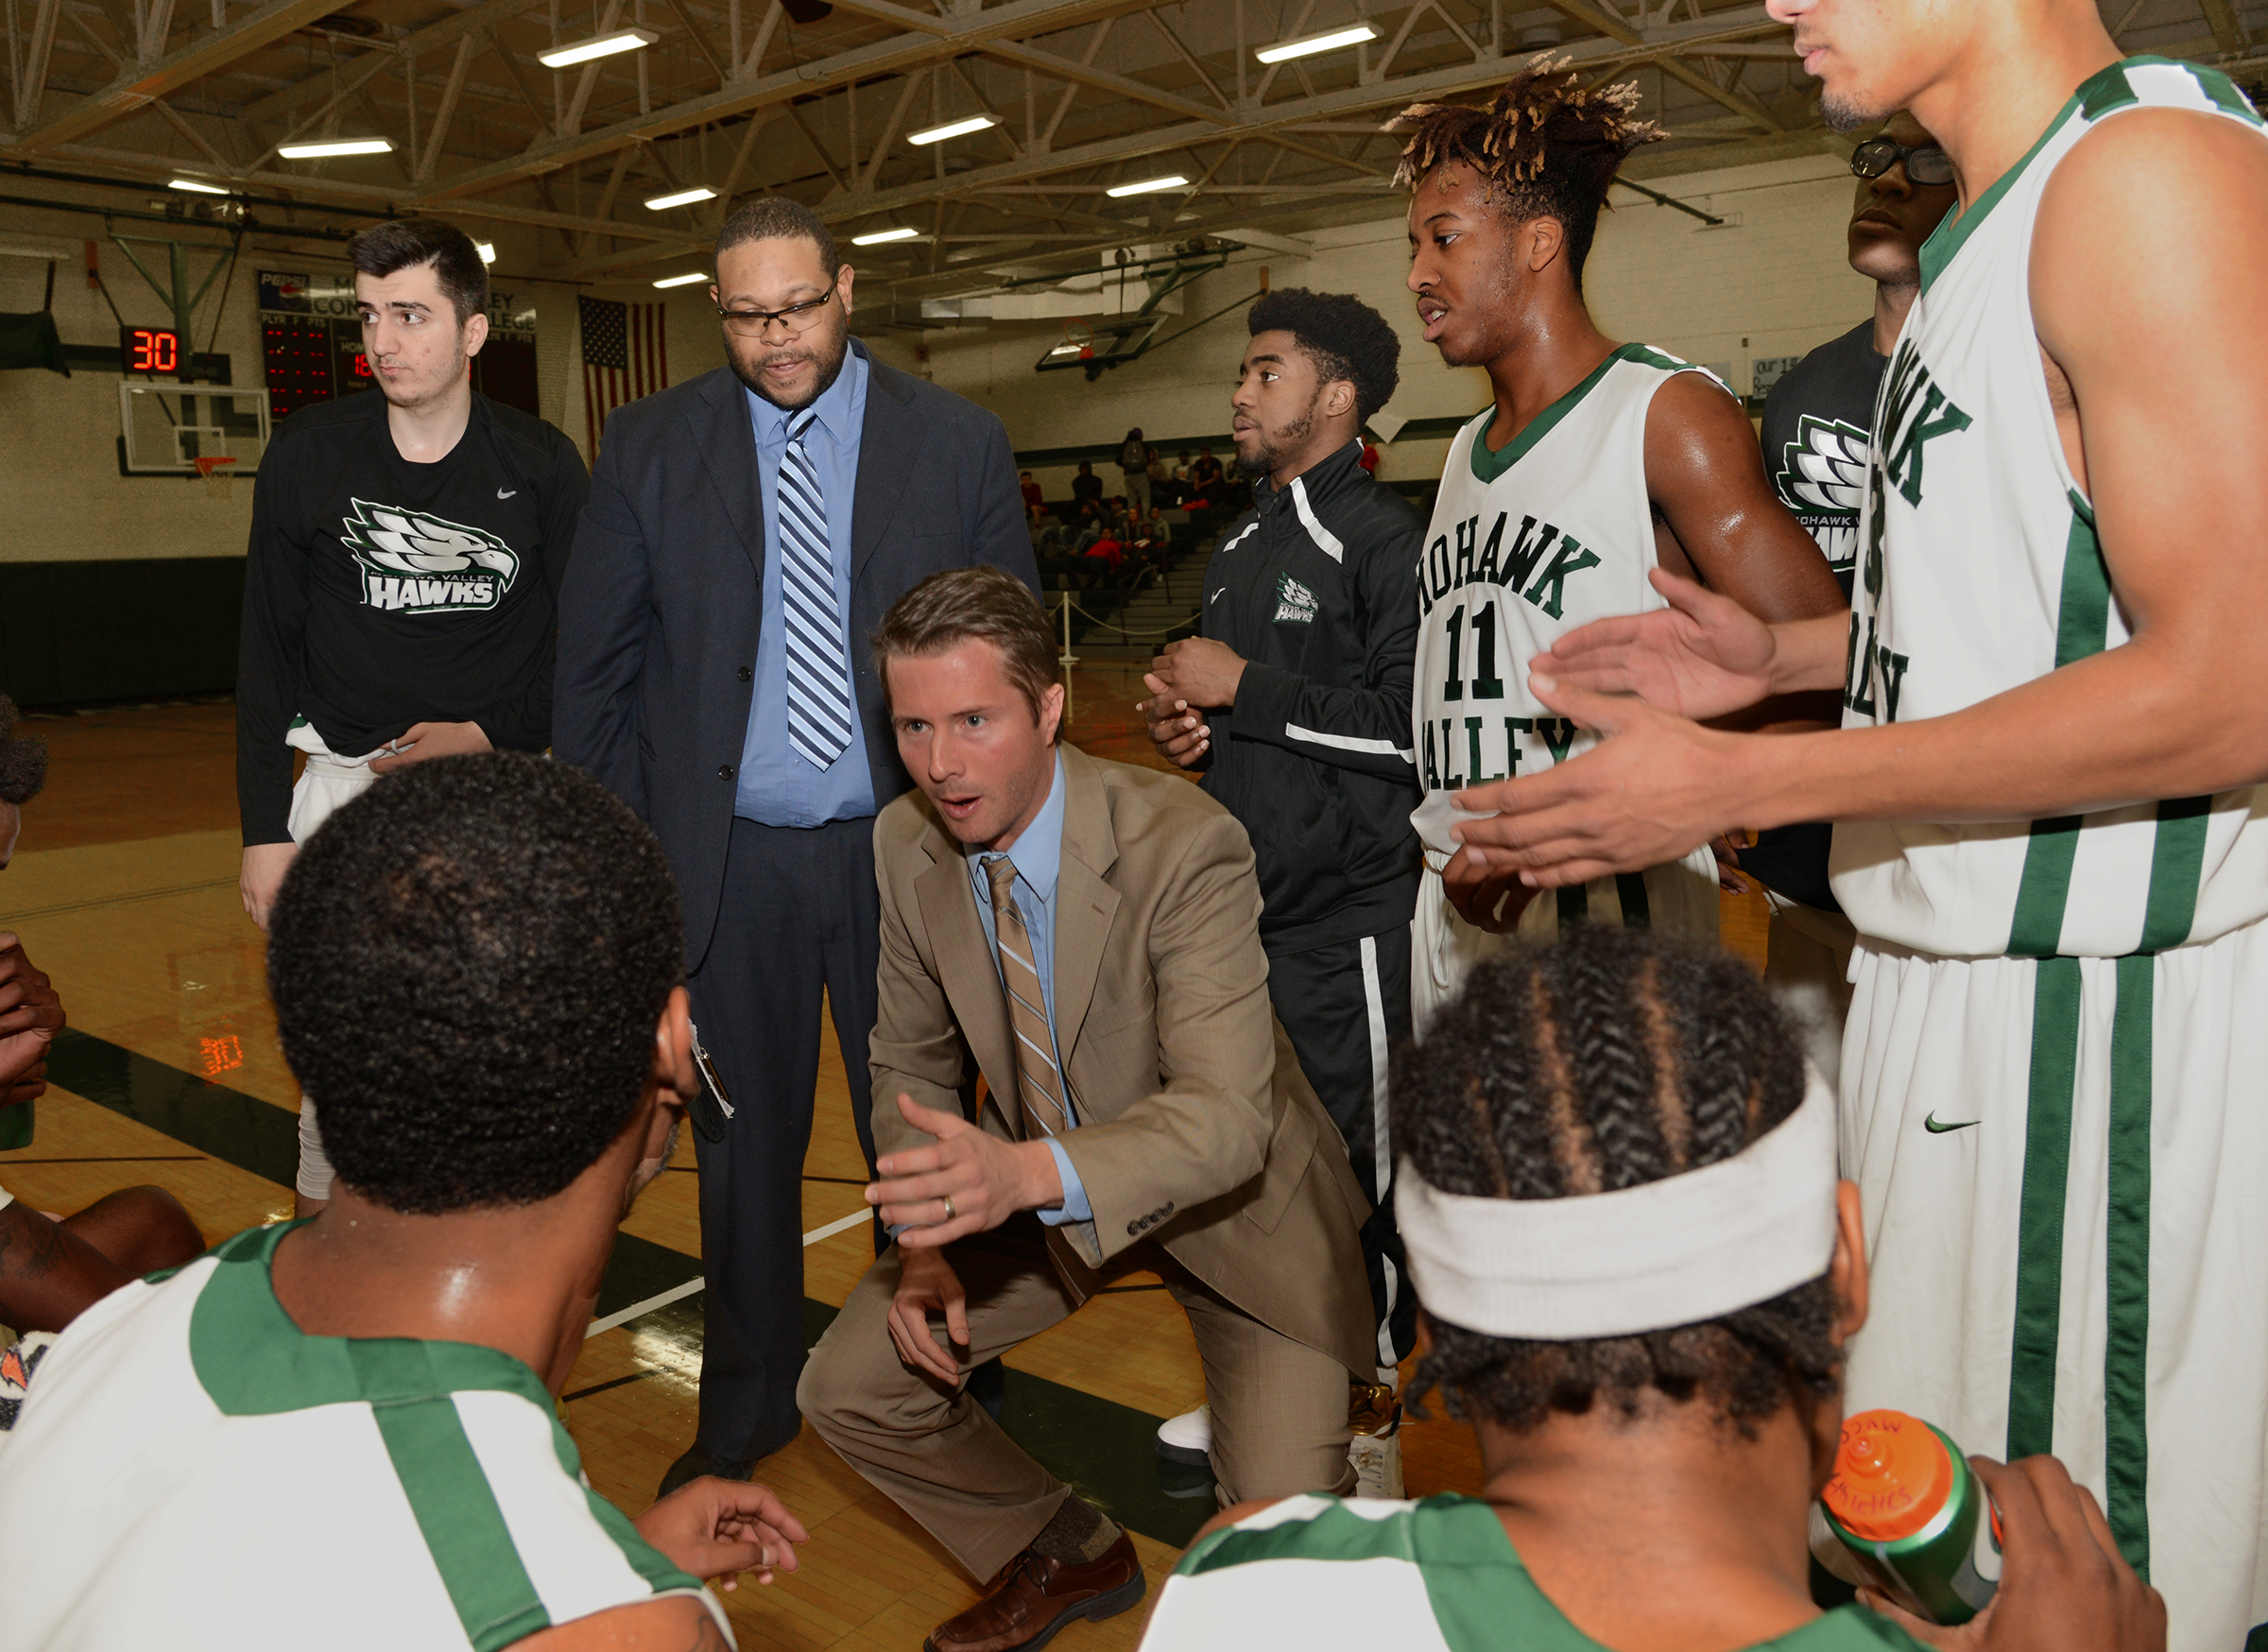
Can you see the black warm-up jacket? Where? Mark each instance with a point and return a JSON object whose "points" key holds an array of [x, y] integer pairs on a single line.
{"points": [[1315, 586]]}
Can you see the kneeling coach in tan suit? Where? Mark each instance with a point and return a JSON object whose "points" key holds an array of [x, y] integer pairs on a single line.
{"points": [[1084, 935]]}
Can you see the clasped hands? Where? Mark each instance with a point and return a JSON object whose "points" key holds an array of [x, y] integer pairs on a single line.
{"points": [[1192, 673], [30, 1016]]}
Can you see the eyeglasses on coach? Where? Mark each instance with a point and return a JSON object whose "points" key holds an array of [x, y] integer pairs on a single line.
{"points": [[796, 318]]}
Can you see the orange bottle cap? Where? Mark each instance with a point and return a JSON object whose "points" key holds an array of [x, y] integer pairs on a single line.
{"points": [[1892, 1476]]}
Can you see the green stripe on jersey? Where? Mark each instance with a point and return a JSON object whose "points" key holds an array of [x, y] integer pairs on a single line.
{"points": [[661, 1574], [2176, 870], [1481, 1596], [2082, 629], [456, 1511], [2127, 1352], [1488, 465], [2040, 1208]]}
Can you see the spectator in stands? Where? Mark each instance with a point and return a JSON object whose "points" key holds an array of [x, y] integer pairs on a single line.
{"points": [[1086, 485], [1108, 550], [1644, 1483], [53, 1268], [1205, 475], [1134, 459], [1181, 467], [478, 966], [1034, 501]]}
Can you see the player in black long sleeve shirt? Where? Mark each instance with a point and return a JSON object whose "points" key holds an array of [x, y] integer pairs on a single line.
{"points": [[1295, 703], [401, 593]]}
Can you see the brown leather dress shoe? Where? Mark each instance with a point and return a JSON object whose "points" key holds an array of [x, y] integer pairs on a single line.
{"points": [[1035, 1596]]}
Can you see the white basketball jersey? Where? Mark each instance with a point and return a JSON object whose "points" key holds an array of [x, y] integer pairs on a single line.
{"points": [[1980, 571], [1527, 544]]}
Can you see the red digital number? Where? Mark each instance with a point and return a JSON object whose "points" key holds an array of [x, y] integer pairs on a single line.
{"points": [[155, 351], [362, 365]]}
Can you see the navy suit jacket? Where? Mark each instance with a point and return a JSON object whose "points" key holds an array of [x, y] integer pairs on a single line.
{"points": [[660, 607]]}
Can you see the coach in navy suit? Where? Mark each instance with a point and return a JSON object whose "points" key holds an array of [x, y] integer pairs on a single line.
{"points": [[746, 532]]}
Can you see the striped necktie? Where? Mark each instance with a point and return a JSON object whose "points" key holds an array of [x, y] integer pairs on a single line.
{"points": [[1038, 1084], [820, 712]]}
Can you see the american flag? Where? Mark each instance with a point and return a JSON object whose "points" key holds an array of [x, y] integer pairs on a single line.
{"points": [[623, 358]]}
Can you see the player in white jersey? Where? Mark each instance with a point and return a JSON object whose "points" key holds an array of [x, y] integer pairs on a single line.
{"points": [[1596, 463], [479, 964], [2048, 796]]}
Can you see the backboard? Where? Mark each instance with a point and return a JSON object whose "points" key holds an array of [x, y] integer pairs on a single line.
{"points": [[166, 428]]}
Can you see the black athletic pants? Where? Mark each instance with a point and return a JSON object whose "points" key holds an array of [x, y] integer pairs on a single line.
{"points": [[1345, 1007], [798, 913]]}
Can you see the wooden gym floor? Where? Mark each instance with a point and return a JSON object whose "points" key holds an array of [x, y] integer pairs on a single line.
{"points": [[124, 890]]}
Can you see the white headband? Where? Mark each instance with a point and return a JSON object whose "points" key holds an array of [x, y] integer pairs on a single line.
{"points": [[1677, 1251]]}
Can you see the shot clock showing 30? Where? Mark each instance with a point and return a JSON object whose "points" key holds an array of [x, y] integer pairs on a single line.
{"points": [[149, 350]]}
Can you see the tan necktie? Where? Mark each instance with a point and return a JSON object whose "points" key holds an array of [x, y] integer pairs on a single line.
{"points": [[1041, 1112]]}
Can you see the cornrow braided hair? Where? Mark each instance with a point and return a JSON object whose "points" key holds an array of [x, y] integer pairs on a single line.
{"points": [[1545, 146], [1611, 1059]]}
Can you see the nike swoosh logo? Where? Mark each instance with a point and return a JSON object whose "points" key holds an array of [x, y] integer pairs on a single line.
{"points": [[1931, 1125], [1218, 595], [505, 492]]}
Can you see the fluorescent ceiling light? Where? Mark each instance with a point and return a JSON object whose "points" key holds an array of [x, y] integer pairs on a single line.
{"points": [[903, 232], [975, 123], [605, 45], [1285, 50], [662, 204], [328, 147], [1148, 185], [487, 251], [192, 186], [686, 279]]}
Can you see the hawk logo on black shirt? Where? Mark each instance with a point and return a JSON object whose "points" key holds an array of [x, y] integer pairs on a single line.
{"points": [[1822, 480], [415, 563]]}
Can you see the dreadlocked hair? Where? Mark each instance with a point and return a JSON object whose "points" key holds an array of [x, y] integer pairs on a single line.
{"points": [[1545, 146], [1611, 1059]]}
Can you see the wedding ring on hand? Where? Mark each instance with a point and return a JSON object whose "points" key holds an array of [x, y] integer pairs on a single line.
{"points": [[950, 1211]]}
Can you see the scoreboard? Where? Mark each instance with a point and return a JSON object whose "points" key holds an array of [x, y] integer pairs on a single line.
{"points": [[311, 359]]}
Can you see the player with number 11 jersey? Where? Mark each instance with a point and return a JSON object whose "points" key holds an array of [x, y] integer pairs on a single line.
{"points": [[1595, 464]]}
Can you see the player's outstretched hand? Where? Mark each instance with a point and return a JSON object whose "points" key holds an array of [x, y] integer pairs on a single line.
{"points": [[967, 1182], [2063, 1582], [1655, 788], [719, 1528], [1703, 656], [1177, 729]]}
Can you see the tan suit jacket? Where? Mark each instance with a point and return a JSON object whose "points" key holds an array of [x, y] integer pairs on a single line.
{"points": [[1197, 1128]]}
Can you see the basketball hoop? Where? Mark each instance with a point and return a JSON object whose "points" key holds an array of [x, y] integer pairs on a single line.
{"points": [[216, 474], [1074, 333]]}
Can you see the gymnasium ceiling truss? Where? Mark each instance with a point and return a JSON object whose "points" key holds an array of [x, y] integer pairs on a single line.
{"points": [[821, 101]]}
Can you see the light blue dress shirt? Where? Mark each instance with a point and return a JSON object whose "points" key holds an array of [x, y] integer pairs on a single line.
{"points": [[1037, 856], [776, 787]]}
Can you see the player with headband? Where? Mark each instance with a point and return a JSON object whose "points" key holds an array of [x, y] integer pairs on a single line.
{"points": [[1637, 1271]]}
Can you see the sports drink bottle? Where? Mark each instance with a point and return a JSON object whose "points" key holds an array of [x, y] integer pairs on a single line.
{"points": [[1911, 1511]]}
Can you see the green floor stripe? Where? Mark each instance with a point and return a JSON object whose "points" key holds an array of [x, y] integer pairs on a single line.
{"points": [[2126, 1354], [1103, 1450], [2039, 1214]]}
